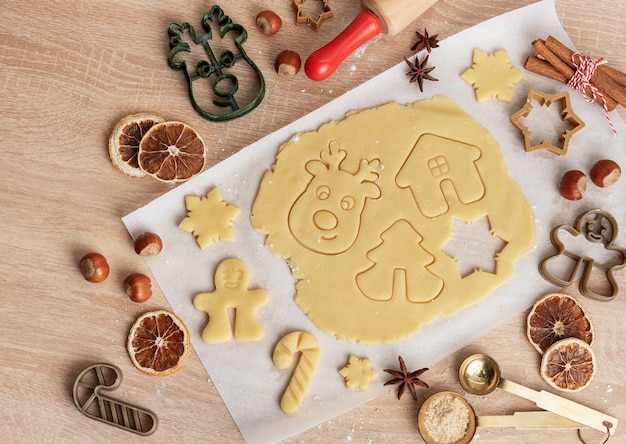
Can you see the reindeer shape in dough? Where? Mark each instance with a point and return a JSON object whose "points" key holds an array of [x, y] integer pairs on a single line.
{"points": [[326, 217]]}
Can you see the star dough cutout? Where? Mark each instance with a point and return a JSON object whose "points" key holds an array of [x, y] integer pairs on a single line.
{"points": [[492, 76], [209, 218], [358, 373], [536, 97]]}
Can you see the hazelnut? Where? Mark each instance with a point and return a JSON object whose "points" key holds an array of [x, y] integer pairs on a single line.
{"points": [[94, 267], [573, 185], [605, 172], [287, 63], [138, 287], [268, 22], [148, 244]]}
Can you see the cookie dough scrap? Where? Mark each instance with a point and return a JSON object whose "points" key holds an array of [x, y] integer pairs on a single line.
{"points": [[232, 278], [209, 218], [492, 76], [362, 208], [358, 373]]}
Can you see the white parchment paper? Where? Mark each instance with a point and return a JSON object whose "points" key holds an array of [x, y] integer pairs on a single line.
{"points": [[243, 373]]}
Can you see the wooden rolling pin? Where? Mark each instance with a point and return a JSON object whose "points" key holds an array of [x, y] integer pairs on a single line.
{"points": [[386, 16]]}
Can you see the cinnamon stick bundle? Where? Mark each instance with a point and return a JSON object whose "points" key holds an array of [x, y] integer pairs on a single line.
{"points": [[554, 60], [559, 48]]}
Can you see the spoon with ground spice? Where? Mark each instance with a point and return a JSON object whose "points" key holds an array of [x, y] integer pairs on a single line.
{"points": [[479, 374], [447, 418]]}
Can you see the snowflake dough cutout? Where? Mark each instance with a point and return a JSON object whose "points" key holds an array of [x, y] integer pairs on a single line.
{"points": [[358, 373], [492, 76], [209, 218]]}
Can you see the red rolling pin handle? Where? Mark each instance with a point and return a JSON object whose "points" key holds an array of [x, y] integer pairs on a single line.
{"points": [[323, 62]]}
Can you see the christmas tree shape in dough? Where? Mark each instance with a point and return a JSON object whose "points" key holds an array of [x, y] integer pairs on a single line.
{"points": [[400, 268]]}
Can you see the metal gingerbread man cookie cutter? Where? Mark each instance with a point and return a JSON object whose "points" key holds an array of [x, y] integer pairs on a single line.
{"points": [[89, 393], [218, 70], [598, 228]]}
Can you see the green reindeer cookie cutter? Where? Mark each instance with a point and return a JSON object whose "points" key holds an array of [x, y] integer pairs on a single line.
{"points": [[91, 397], [216, 68]]}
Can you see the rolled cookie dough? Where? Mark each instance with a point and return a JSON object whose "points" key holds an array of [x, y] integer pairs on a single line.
{"points": [[362, 208]]}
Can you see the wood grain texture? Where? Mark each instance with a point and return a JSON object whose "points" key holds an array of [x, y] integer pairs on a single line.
{"points": [[68, 72]]}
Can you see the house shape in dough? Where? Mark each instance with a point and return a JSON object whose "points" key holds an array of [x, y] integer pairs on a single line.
{"points": [[438, 170]]}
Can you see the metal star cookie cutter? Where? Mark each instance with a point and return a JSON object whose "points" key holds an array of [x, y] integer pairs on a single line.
{"points": [[302, 19], [89, 393], [567, 115], [596, 227], [218, 69]]}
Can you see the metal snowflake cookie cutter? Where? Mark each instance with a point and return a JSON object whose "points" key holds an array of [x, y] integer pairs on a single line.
{"points": [[567, 114], [595, 227], [217, 70], [314, 23], [89, 393]]}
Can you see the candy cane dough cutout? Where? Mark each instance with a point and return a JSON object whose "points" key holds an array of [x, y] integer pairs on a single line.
{"points": [[310, 352]]}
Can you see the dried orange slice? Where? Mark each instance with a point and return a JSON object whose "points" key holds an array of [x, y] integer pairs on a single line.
{"points": [[569, 365], [124, 141], [172, 151], [555, 317], [158, 343]]}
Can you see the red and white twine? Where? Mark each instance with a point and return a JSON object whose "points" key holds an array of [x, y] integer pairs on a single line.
{"points": [[581, 80]]}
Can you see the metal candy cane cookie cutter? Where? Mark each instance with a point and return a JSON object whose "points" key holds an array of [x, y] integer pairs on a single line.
{"points": [[217, 70], [90, 397], [594, 228]]}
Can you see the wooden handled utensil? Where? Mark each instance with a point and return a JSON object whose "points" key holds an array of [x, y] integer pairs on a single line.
{"points": [[448, 413], [386, 16], [479, 374], [535, 420]]}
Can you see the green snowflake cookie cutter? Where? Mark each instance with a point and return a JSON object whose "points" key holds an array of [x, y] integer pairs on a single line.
{"points": [[218, 67]]}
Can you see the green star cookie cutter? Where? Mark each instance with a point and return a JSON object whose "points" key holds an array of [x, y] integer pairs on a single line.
{"points": [[218, 69], [91, 397]]}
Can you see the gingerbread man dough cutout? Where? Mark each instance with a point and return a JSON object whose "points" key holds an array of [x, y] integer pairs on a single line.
{"points": [[598, 228], [231, 293]]}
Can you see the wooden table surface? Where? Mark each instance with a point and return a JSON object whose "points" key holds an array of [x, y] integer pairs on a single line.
{"points": [[68, 72]]}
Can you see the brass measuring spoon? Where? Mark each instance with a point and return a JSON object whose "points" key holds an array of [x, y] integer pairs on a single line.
{"points": [[479, 375], [519, 420]]}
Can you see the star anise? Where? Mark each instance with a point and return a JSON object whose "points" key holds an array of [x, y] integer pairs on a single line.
{"points": [[425, 41], [406, 379], [419, 71]]}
